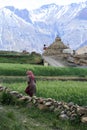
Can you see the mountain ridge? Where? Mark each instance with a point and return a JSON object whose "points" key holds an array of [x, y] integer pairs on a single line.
{"points": [[43, 25]]}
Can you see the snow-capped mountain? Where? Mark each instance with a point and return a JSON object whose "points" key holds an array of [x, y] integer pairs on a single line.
{"points": [[30, 30], [16, 34], [64, 21]]}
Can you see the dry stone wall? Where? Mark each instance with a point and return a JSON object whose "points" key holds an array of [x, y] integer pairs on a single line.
{"points": [[65, 111]]}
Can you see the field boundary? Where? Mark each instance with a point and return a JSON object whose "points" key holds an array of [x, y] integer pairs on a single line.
{"points": [[62, 78]]}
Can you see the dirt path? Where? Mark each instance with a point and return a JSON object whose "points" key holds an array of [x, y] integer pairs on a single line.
{"points": [[52, 61]]}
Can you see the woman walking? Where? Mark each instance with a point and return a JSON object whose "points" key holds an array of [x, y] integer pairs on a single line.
{"points": [[31, 88]]}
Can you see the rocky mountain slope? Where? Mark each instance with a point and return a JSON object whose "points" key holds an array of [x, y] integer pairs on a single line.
{"points": [[30, 30]]}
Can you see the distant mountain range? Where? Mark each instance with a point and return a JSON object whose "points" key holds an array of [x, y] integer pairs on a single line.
{"points": [[30, 30]]}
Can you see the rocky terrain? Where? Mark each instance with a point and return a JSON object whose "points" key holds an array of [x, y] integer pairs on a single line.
{"points": [[81, 50]]}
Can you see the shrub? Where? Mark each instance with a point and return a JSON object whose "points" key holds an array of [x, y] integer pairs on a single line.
{"points": [[7, 98]]}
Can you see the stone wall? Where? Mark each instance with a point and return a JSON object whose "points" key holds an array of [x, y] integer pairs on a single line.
{"points": [[65, 111]]}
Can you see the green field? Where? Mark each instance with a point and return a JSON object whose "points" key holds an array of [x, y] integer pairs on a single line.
{"points": [[67, 91], [75, 91], [36, 119], [11, 69], [20, 57], [13, 76]]}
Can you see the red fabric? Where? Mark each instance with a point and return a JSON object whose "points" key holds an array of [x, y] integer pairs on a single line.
{"points": [[31, 88], [28, 91], [31, 75]]}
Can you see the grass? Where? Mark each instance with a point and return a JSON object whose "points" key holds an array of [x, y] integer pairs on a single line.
{"points": [[25, 118], [31, 118], [21, 58], [67, 91], [10, 69], [16, 118]]}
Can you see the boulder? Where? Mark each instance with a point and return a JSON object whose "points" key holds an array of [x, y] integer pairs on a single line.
{"points": [[42, 107], [84, 120], [82, 110]]}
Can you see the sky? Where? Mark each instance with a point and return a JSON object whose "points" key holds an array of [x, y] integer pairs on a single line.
{"points": [[33, 4]]}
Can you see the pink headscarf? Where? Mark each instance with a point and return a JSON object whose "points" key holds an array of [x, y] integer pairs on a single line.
{"points": [[30, 74]]}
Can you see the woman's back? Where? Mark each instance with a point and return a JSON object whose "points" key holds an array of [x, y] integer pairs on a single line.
{"points": [[31, 88]]}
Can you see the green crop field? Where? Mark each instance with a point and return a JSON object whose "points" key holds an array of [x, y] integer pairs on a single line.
{"points": [[20, 57], [10, 69], [13, 76], [67, 91]]}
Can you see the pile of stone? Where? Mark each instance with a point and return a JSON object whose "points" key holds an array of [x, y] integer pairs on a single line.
{"points": [[80, 60], [65, 111]]}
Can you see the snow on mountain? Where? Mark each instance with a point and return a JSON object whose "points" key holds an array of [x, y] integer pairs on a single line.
{"points": [[23, 13], [83, 14], [63, 21], [16, 34], [30, 30]]}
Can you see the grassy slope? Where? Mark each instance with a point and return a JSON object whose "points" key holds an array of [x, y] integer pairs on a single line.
{"points": [[15, 57], [30, 118], [23, 118], [67, 91], [16, 118], [10, 69]]}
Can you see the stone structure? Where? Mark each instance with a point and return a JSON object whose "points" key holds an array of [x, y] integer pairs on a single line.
{"points": [[61, 52], [56, 48], [65, 111]]}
